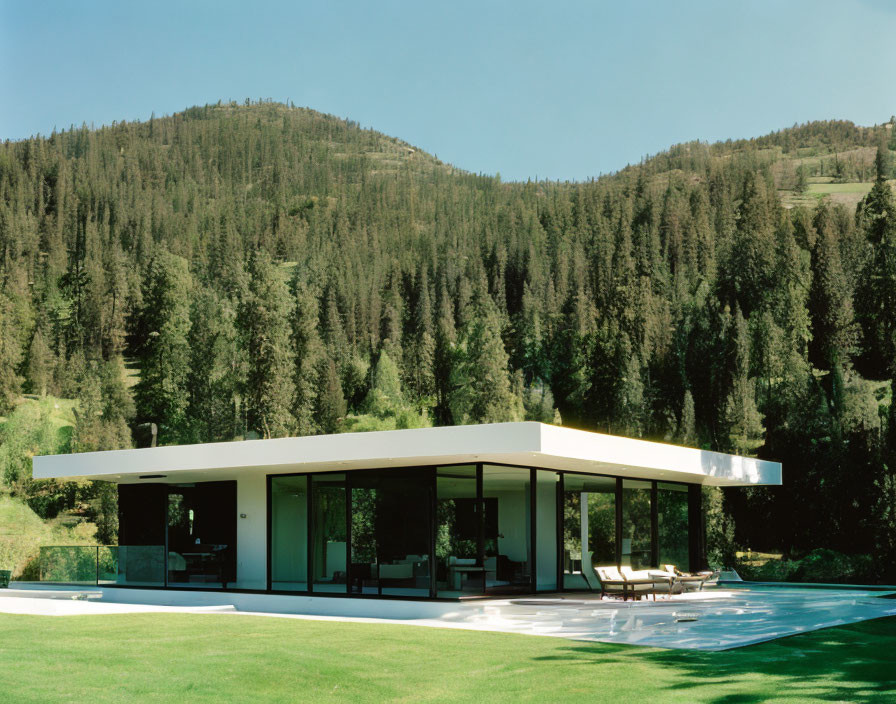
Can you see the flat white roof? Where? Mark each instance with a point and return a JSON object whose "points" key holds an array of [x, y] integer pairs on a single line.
{"points": [[526, 444]]}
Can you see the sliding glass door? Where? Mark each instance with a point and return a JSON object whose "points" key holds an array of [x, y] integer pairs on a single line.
{"points": [[637, 531], [329, 533], [589, 527], [507, 546], [390, 532], [459, 569], [289, 533], [673, 523], [202, 534]]}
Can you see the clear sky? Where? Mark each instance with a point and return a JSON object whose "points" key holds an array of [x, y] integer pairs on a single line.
{"points": [[560, 90]]}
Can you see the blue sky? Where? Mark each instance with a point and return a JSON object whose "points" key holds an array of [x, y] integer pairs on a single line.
{"points": [[559, 90]]}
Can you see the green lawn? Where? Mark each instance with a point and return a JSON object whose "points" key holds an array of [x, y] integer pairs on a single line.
{"points": [[824, 188], [187, 658]]}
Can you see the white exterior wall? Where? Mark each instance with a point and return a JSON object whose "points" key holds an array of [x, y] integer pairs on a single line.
{"points": [[251, 532]]}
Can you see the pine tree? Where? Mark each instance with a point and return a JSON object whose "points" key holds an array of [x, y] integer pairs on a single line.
{"points": [[265, 320], [40, 364], [162, 394], [802, 181], [830, 305], [687, 428], [742, 417], [308, 352], [480, 379], [421, 363], [330, 408], [217, 368], [876, 297]]}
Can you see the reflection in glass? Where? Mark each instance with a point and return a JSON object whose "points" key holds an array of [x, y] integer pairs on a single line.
{"points": [[202, 534], [328, 538], [390, 532], [636, 524], [507, 528], [589, 525], [546, 483], [458, 569], [142, 523], [289, 533], [672, 517]]}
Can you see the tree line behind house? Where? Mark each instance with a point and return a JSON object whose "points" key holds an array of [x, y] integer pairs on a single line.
{"points": [[267, 270]]}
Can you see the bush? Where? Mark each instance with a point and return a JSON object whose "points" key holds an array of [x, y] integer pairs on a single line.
{"points": [[819, 566]]}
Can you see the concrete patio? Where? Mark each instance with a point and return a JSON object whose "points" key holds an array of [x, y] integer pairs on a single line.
{"points": [[717, 618]]}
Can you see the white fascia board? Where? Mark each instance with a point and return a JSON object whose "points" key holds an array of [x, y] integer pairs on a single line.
{"points": [[453, 444], [661, 460], [525, 444]]}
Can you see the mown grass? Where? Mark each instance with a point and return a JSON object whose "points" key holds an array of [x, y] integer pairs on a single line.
{"points": [[825, 188], [225, 658]]}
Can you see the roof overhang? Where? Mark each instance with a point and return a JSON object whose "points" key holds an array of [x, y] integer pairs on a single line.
{"points": [[525, 444]]}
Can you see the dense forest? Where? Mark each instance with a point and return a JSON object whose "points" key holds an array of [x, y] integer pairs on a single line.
{"points": [[243, 270]]}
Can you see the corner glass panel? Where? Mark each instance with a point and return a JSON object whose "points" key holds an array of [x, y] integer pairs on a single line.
{"points": [[459, 571], [546, 483], [589, 528], [672, 523], [139, 559], [289, 533], [636, 525], [507, 531], [328, 533]]}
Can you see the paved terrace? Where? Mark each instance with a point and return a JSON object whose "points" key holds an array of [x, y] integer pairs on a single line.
{"points": [[715, 619]]}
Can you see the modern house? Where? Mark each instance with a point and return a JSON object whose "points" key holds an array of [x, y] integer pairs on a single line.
{"points": [[429, 513]]}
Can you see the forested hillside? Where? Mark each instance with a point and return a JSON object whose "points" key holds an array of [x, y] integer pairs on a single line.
{"points": [[262, 269]]}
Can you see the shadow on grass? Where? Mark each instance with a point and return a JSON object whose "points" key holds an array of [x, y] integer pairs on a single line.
{"points": [[846, 663]]}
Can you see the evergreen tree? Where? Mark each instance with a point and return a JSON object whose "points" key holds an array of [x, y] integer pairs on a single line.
{"points": [[876, 298], [330, 408], [743, 419], [481, 390], [10, 357], [217, 368], [265, 325], [162, 394], [830, 305], [308, 355], [687, 428], [40, 364]]}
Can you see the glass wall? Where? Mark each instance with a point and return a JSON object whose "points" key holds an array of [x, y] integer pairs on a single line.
{"points": [[589, 526], [328, 533], [458, 564], [141, 534], [637, 531], [546, 484], [507, 546], [289, 533], [672, 525], [202, 534], [456, 531], [390, 532]]}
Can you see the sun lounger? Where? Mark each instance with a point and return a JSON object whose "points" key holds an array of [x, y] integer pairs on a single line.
{"points": [[608, 581], [661, 582], [687, 580]]}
